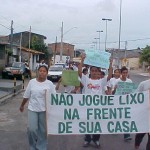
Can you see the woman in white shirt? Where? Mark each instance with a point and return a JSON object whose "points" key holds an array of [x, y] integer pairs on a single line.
{"points": [[35, 94], [112, 82]]}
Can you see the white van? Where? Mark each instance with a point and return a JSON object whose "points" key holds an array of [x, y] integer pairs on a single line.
{"points": [[60, 64]]}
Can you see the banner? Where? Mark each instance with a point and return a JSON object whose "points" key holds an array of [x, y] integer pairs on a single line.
{"points": [[98, 59], [125, 88], [97, 114], [70, 77]]}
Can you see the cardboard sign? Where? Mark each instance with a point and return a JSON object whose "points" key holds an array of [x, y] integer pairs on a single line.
{"points": [[70, 77], [125, 88], [98, 59]]}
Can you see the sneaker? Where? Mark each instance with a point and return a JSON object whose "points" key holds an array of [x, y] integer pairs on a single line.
{"points": [[86, 144], [97, 143], [128, 138]]}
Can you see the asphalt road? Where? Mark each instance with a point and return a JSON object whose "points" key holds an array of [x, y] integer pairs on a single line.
{"points": [[13, 131]]}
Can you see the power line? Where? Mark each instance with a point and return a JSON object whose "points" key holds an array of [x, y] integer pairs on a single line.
{"points": [[17, 24], [133, 40], [5, 26], [5, 18]]}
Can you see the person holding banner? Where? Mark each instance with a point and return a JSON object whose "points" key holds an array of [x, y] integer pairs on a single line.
{"points": [[123, 78], [93, 85], [143, 86], [35, 93]]}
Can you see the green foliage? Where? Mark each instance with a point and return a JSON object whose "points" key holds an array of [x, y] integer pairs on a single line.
{"points": [[38, 45], [77, 53], [145, 55], [9, 51]]}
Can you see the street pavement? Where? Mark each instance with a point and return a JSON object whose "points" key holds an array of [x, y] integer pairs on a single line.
{"points": [[7, 88], [13, 126]]}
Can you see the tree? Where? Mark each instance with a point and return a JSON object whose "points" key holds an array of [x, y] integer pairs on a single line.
{"points": [[145, 55], [38, 45]]}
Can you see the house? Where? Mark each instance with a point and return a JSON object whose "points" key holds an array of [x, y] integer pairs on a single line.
{"points": [[2, 56], [128, 58], [26, 35], [77, 52], [8, 56], [68, 49], [31, 55], [18, 54]]}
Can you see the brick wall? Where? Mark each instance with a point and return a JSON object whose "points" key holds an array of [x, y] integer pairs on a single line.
{"points": [[68, 49]]}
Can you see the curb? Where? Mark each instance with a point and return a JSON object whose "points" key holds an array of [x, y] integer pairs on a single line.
{"points": [[5, 99]]}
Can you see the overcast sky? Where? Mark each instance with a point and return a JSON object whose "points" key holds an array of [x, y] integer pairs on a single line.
{"points": [[45, 17]]}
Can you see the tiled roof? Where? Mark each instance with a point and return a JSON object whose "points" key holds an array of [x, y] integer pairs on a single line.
{"points": [[125, 53], [30, 50], [60, 43]]}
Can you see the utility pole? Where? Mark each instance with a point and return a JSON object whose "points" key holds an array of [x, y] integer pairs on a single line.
{"points": [[30, 37], [106, 19], [11, 36], [120, 28], [55, 49], [29, 46], [120, 23], [99, 38], [125, 54], [61, 45], [20, 47]]}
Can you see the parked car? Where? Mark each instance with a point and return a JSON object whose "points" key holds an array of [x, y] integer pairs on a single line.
{"points": [[5, 72], [55, 73], [17, 70]]}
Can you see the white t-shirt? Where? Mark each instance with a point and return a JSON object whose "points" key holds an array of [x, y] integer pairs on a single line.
{"points": [[69, 88], [35, 92], [112, 82], [75, 68], [93, 86], [143, 86], [127, 80]]}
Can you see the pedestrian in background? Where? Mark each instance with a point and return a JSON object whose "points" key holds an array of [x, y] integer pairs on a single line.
{"points": [[27, 69], [112, 82], [35, 95]]}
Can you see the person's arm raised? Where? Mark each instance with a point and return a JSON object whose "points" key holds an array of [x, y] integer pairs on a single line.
{"points": [[110, 70], [80, 65], [58, 84]]}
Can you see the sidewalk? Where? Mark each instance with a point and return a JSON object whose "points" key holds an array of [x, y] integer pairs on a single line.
{"points": [[139, 72], [7, 89]]}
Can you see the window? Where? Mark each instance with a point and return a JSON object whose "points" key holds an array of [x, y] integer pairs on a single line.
{"points": [[2, 54]]}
